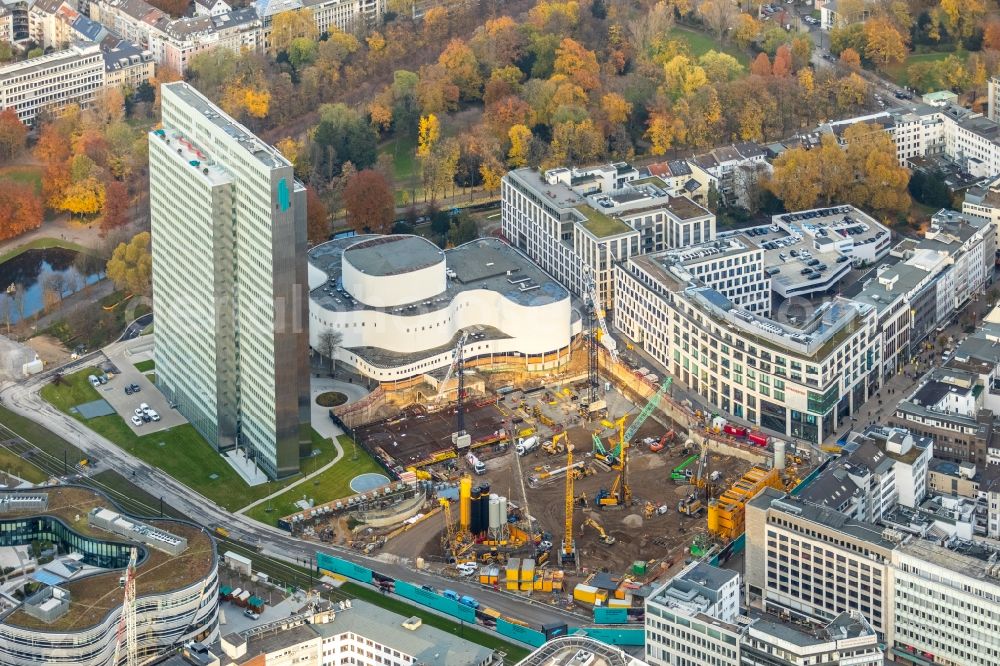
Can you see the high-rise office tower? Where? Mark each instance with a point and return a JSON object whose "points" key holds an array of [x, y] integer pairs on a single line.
{"points": [[229, 281]]}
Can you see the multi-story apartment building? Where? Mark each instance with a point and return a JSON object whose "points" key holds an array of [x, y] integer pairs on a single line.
{"points": [[882, 468], [15, 26], [692, 619], [732, 167], [945, 603], [815, 563], [53, 81], [947, 407], [126, 66], [346, 15], [211, 7], [983, 201], [683, 178], [174, 42], [229, 279], [49, 23], [576, 224], [833, 16]]}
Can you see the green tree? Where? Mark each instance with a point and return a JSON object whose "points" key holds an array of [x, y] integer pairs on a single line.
{"points": [[131, 265], [302, 51], [342, 135]]}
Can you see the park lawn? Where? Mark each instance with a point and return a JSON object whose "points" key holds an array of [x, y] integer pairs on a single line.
{"points": [[121, 490], [514, 653], [24, 175], [332, 484], [700, 43], [181, 451], [14, 464], [145, 366], [897, 73], [405, 167]]}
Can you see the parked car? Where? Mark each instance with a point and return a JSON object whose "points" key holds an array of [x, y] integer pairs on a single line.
{"points": [[136, 421], [143, 407], [153, 415], [250, 614], [135, 388], [94, 381], [128, 390], [138, 412]]}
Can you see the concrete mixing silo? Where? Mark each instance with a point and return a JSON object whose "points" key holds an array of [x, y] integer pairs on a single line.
{"points": [[494, 513], [779, 455], [464, 503]]}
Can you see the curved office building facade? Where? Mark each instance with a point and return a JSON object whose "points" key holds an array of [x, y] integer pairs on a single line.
{"points": [[176, 603]]}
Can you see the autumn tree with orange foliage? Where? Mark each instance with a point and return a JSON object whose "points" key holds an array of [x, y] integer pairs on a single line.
{"points": [[462, 67], [317, 218], [116, 203], [991, 36], [761, 66], [577, 64], [369, 202], [850, 59], [22, 208], [886, 45], [13, 134], [782, 61]]}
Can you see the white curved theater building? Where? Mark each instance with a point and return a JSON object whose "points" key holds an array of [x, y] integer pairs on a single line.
{"points": [[401, 304]]}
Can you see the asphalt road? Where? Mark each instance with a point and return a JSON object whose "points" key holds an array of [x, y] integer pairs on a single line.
{"points": [[136, 328], [23, 399]]}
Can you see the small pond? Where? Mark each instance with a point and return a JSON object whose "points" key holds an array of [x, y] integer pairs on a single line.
{"points": [[27, 280]]}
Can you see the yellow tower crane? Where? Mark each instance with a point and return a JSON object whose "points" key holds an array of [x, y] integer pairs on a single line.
{"points": [[621, 492], [569, 544], [449, 527]]}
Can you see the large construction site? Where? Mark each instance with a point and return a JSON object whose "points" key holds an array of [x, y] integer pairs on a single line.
{"points": [[579, 489]]}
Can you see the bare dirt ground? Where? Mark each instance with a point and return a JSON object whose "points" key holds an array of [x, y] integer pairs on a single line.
{"points": [[663, 539], [49, 349]]}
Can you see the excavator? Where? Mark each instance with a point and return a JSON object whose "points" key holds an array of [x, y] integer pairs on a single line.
{"points": [[555, 445], [606, 538]]}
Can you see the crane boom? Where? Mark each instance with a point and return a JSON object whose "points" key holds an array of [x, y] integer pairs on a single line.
{"points": [[568, 549], [651, 405], [126, 623], [454, 363], [595, 303]]}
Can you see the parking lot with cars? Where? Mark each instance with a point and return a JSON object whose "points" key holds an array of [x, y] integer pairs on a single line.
{"points": [[130, 391]]}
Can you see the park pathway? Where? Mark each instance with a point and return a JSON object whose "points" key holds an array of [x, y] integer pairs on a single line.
{"points": [[324, 425]]}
